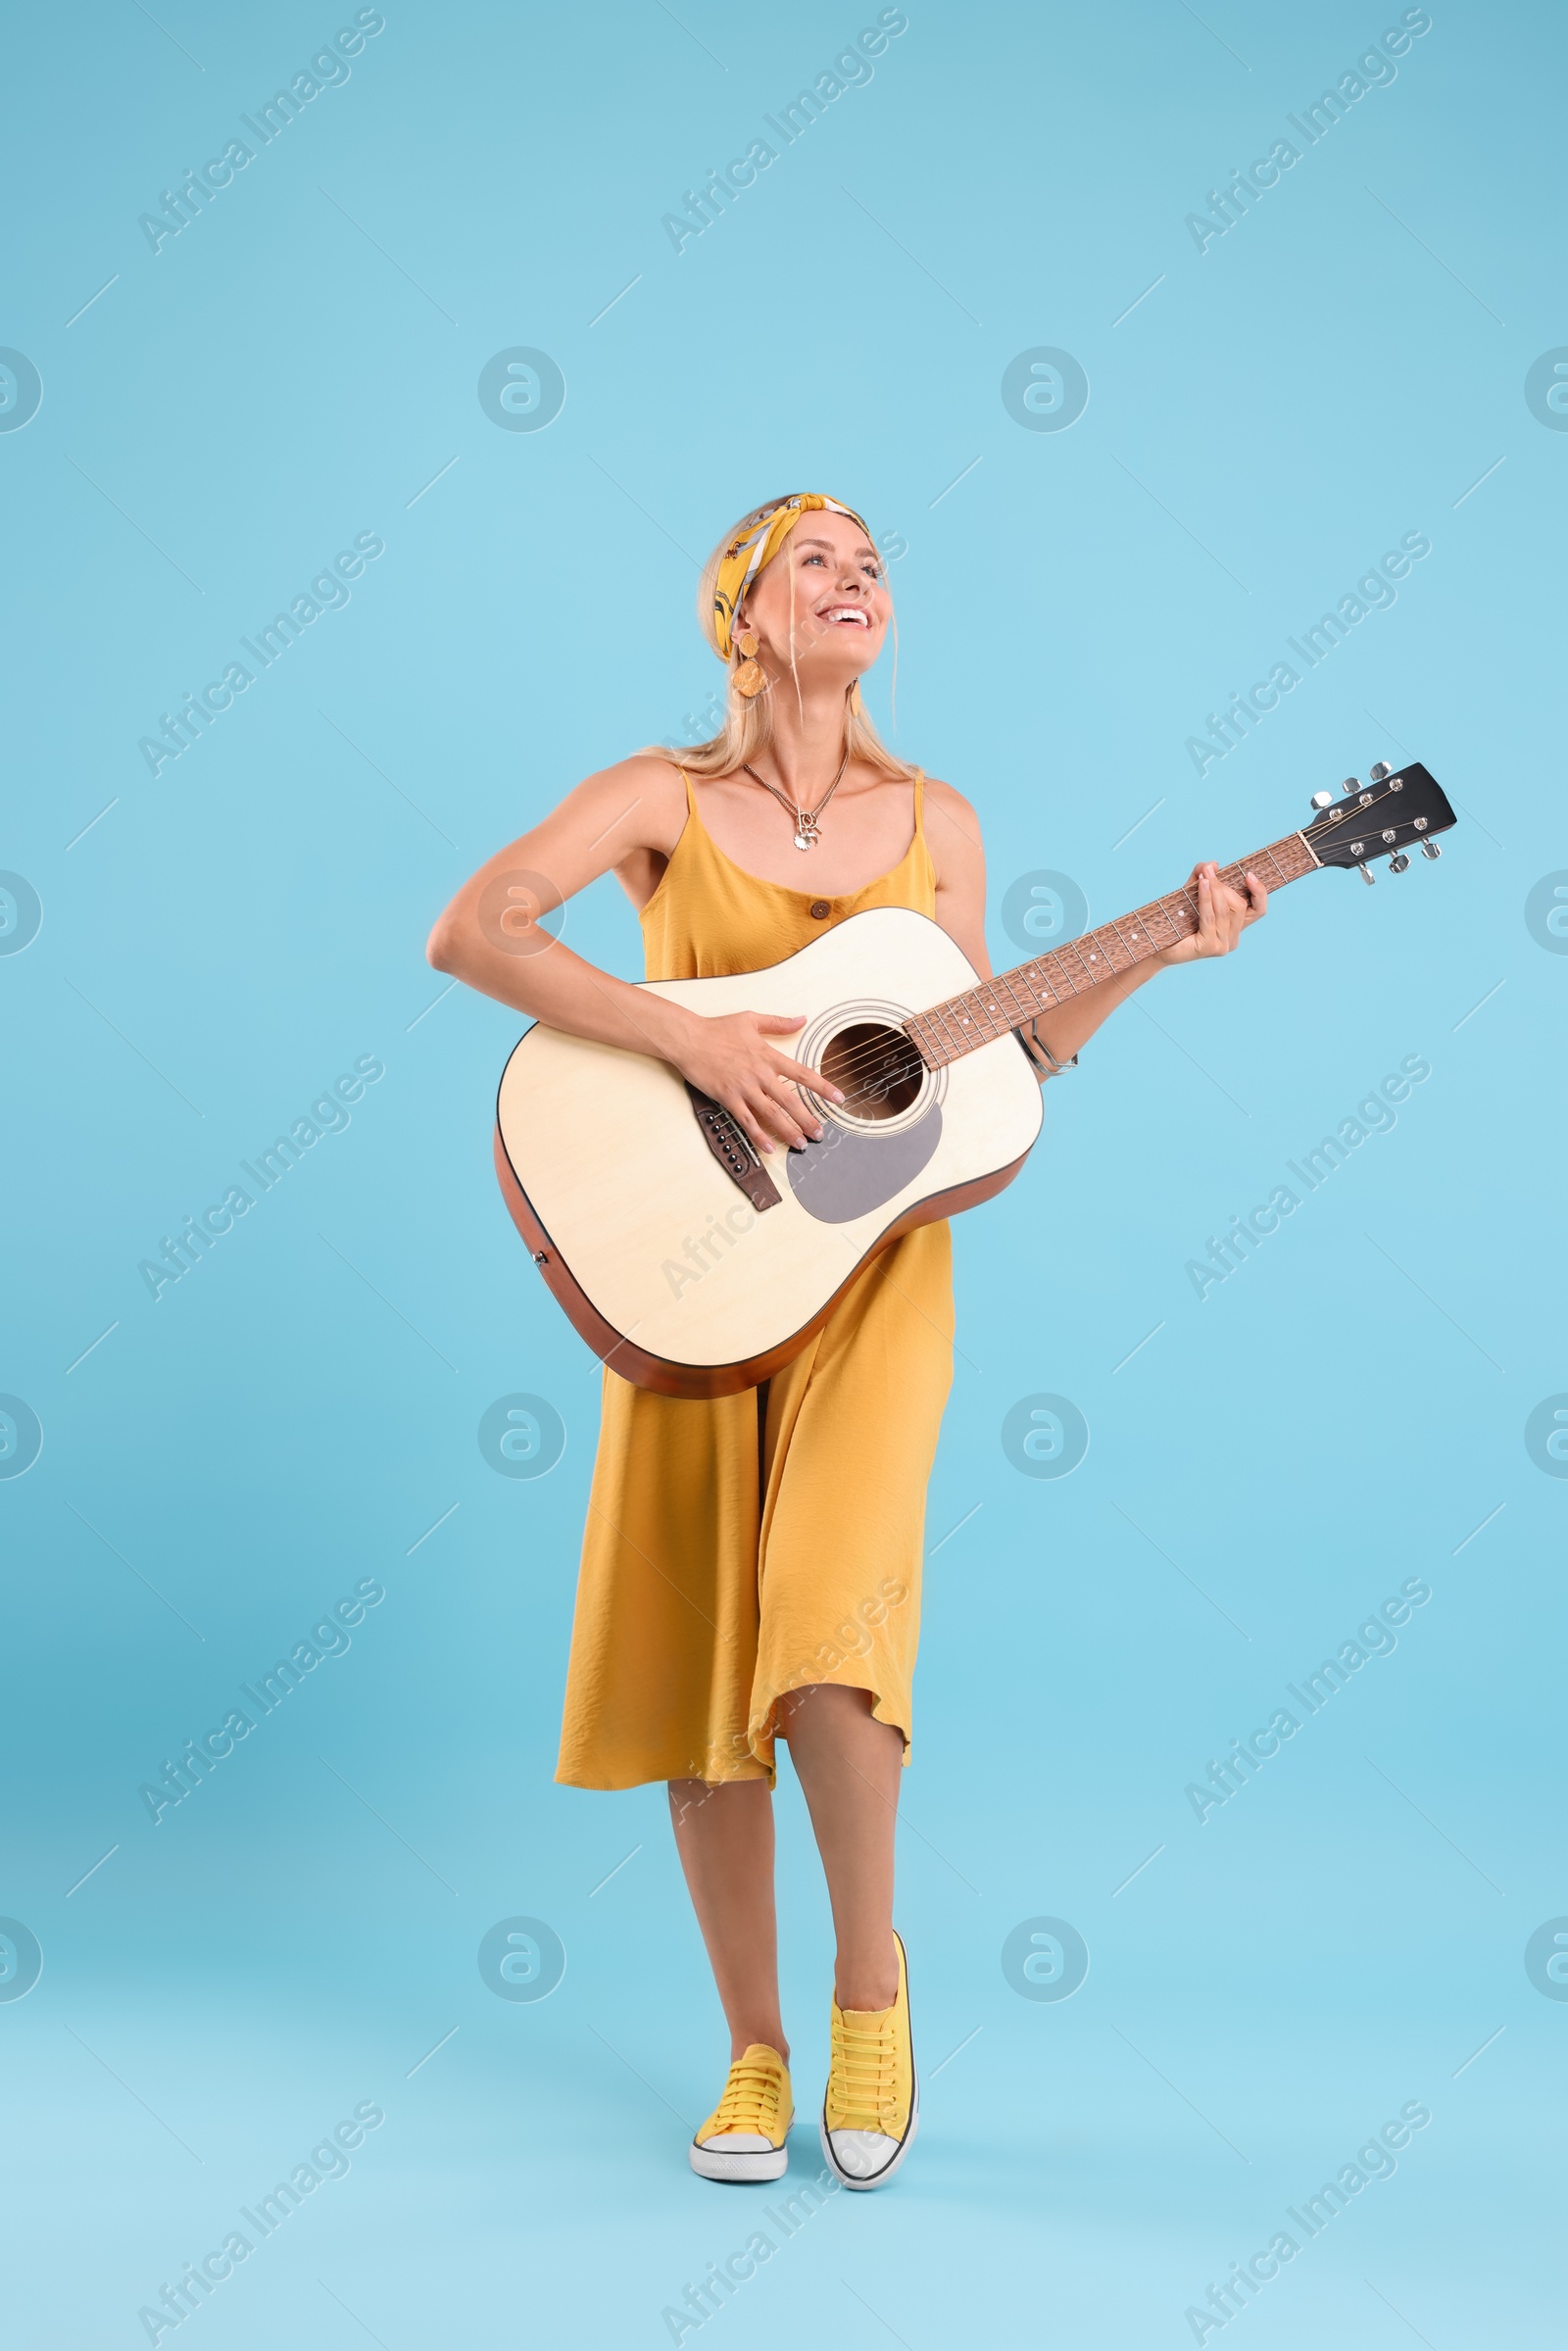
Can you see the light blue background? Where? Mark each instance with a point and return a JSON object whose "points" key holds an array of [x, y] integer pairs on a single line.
{"points": [[295, 1415]]}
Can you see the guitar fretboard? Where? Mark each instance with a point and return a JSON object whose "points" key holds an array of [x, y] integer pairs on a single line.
{"points": [[949, 1030]]}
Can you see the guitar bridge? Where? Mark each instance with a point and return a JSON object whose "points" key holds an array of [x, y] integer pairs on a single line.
{"points": [[731, 1148]]}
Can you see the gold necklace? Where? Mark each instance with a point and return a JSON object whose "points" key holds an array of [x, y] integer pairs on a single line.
{"points": [[807, 829]]}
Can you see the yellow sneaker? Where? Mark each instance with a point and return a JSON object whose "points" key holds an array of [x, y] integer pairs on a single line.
{"points": [[872, 2107], [744, 2136]]}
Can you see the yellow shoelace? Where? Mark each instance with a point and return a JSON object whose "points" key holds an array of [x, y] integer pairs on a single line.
{"points": [[864, 2076], [750, 2100]]}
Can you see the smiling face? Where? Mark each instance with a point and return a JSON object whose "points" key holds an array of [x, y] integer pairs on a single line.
{"points": [[839, 605]]}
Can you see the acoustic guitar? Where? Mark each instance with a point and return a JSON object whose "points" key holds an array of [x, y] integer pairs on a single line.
{"points": [[693, 1266]]}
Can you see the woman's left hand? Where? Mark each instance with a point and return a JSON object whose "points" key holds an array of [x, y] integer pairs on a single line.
{"points": [[1223, 913]]}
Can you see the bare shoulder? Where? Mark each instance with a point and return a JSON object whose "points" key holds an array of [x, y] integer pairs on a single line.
{"points": [[953, 826], [642, 797]]}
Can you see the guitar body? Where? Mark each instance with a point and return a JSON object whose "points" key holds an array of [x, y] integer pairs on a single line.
{"points": [[647, 1217]]}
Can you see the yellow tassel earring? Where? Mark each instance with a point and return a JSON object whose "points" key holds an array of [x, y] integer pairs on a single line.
{"points": [[749, 678]]}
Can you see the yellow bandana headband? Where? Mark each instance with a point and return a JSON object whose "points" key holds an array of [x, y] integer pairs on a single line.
{"points": [[745, 556]]}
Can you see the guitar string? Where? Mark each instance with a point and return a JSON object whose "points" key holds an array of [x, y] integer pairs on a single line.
{"points": [[865, 1058], [862, 1058], [863, 1061]]}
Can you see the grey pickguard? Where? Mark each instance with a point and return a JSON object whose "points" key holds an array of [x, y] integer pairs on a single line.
{"points": [[846, 1175]]}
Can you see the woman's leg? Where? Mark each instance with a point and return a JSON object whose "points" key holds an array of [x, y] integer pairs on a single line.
{"points": [[724, 1835], [849, 1765]]}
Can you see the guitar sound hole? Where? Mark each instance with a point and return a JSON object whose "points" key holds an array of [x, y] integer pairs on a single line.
{"points": [[876, 1070]]}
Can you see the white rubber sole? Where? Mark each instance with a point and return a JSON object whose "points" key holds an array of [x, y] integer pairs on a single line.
{"points": [[724, 2163]]}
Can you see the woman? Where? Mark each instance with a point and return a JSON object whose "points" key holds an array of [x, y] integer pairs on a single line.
{"points": [[751, 1565]]}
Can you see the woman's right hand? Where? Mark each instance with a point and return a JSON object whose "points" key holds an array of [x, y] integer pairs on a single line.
{"points": [[729, 1058]]}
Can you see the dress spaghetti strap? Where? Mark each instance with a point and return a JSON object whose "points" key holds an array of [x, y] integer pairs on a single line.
{"points": [[919, 803]]}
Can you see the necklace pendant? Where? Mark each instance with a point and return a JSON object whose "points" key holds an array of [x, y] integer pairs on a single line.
{"points": [[806, 834]]}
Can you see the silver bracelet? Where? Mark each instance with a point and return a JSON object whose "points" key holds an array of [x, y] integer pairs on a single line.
{"points": [[1056, 1067]]}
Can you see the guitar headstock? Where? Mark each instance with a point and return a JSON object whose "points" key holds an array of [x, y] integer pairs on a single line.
{"points": [[1399, 810]]}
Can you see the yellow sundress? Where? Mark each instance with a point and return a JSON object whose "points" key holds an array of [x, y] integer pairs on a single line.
{"points": [[741, 1546]]}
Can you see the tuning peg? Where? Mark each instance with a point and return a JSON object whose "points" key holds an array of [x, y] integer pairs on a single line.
{"points": [[1399, 863], [1321, 800], [1430, 848], [1367, 874], [1380, 771]]}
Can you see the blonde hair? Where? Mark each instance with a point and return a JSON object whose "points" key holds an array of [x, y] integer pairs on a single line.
{"points": [[748, 726]]}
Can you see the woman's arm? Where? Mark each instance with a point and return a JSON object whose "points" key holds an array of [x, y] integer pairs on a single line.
{"points": [[1223, 913], [491, 936]]}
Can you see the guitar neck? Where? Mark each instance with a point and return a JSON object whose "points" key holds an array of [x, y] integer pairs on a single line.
{"points": [[946, 1031]]}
